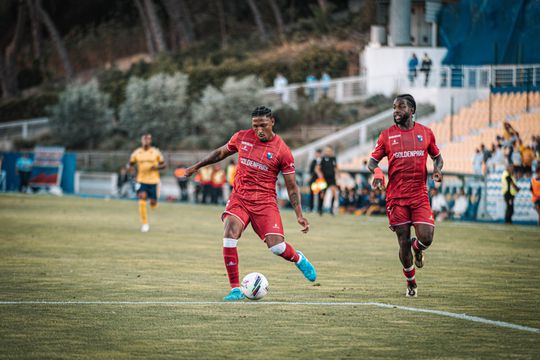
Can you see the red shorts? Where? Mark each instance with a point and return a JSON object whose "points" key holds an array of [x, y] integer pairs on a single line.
{"points": [[407, 211], [265, 218]]}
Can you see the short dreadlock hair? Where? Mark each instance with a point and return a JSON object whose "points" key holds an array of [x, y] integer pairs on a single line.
{"points": [[409, 99], [261, 111]]}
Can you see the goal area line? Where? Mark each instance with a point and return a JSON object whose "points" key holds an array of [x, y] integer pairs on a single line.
{"points": [[284, 303]]}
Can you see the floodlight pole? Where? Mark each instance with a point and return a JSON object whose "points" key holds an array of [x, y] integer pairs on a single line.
{"points": [[527, 106], [451, 118], [489, 96]]}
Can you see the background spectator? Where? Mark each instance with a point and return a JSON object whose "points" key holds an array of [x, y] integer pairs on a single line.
{"points": [[182, 182], [478, 160], [461, 205], [314, 175], [411, 66], [280, 85], [219, 179], [124, 183], [439, 206], [425, 67], [24, 169], [509, 190], [206, 184], [310, 86], [325, 80]]}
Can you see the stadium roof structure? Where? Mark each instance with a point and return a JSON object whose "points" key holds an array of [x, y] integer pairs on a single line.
{"points": [[478, 32]]}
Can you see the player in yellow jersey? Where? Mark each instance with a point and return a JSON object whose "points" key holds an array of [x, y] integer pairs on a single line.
{"points": [[149, 161]]}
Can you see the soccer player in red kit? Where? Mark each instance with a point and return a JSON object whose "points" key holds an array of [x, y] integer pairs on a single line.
{"points": [[262, 155], [407, 145]]}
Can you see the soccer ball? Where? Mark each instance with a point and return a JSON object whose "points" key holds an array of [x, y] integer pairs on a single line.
{"points": [[254, 286]]}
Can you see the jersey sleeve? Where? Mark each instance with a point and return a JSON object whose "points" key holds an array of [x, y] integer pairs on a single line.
{"points": [[286, 165], [133, 157], [433, 149], [159, 156], [380, 149], [232, 144]]}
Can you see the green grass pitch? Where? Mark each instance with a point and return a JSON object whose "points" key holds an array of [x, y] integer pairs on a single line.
{"points": [[74, 249]]}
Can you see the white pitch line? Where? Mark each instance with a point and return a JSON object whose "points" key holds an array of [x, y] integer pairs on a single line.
{"points": [[307, 303]]}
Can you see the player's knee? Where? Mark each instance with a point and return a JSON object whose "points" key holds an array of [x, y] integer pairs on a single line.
{"points": [[278, 249], [425, 237], [142, 195], [232, 230]]}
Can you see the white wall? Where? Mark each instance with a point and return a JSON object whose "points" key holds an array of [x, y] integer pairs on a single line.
{"points": [[387, 73], [386, 67]]}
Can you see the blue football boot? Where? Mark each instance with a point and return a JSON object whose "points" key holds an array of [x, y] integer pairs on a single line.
{"points": [[306, 268], [235, 295]]}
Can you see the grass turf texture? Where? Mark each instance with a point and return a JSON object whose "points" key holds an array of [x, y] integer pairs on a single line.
{"points": [[73, 249]]}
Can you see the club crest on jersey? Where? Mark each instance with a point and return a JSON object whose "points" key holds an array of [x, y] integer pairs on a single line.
{"points": [[420, 138], [269, 155]]}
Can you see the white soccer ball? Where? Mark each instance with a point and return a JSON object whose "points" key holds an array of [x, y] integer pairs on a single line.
{"points": [[254, 286]]}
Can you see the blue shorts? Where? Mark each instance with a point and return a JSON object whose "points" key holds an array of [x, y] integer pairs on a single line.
{"points": [[149, 189]]}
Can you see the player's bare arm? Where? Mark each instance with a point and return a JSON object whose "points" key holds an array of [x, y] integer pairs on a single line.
{"points": [[212, 158], [378, 180], [294, 198], [437, 169], [161, 166]]}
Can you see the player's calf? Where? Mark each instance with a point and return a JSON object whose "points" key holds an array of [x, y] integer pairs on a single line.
{"points": [[230, 257], [287, 252], [418, 250], [410, 275]]}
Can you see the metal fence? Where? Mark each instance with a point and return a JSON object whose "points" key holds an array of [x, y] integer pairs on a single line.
{"points": [[23, 129], [354, 88], [113, 160]]}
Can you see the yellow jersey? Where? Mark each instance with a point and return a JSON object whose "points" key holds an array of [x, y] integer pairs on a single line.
{"points": [[145, 159]]}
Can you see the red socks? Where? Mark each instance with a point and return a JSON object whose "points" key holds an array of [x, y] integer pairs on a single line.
{"points": [[409, 274], [230, 256], [290, 254], [286, 251], [417, 245]]}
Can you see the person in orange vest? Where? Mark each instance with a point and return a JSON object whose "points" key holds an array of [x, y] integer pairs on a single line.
{"points": [[535, 190], [206, 184], [219, 180], [231, 173]]}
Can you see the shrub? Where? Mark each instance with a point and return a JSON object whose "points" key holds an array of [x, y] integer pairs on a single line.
{"points": [[220, 113], [81, 116], [158, 106]]}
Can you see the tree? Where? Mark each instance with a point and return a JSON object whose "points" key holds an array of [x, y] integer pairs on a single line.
{"points": [[222, 112], [222, 23], [82, 115], [37, 37], [153, 32], [181, 27], [155, 25], [158, 105], [258, 20], [146, 28], [56, 39], [8, 56], [279, 19]]}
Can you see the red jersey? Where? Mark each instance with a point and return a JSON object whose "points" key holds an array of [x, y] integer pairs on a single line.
{"points": [[407, 152], [259, 164]]}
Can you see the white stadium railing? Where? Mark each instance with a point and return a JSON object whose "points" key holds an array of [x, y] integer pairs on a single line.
{"points": [[354, 88], [24, 129]]}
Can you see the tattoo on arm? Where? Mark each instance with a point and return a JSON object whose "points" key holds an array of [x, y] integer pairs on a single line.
{"points": [[294, 199], [438, 163], [294, 194], [372, 164]]}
